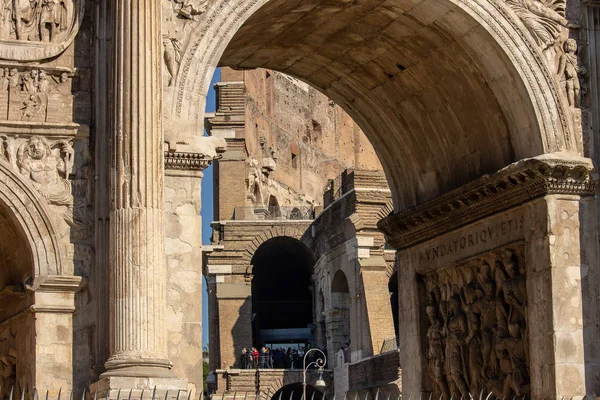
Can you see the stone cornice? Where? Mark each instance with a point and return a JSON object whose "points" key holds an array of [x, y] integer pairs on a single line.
{"points": [[510, 187], [186, 161], [57, 283]]}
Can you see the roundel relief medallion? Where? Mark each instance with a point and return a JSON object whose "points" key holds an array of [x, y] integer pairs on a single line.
{"points": [[33, 30]]}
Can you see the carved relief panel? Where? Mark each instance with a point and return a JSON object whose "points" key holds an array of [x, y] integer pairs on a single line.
{"points": [[35, 95], [476, 336], [33, 30], [60, 176]]}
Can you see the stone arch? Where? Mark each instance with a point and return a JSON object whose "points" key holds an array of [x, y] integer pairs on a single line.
{"points": [[270, 233], [530, 115], [34, 220]]}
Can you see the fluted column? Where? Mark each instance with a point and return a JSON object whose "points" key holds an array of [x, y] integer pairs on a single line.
{"points": [[137, 258]]}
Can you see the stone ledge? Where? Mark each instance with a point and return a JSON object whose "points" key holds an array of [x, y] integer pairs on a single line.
{"points": [[512, 186], [55, 129]]}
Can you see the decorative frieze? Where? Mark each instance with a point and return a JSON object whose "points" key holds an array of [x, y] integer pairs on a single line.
{"points": [[477, 334], [34, 95], [186, 161], [512, 186]]}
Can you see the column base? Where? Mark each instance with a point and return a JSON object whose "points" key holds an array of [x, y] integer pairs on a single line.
{"points": [[140, 387]]}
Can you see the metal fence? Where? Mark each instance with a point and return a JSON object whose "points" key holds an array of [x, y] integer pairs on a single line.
{"points": [[60, 394], [379, 395], [154, 394]]}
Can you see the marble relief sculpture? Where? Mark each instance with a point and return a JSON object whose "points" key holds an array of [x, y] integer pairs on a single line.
{"points": [[477, 327], [47, 168], [34, 20], [543, 19]]}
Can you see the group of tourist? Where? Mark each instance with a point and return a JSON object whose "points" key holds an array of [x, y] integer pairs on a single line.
{"points": [[277, 358]]}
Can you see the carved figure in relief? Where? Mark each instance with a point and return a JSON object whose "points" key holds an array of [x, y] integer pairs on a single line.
{"points": [[188, 9], [6, 18], [47, 168], [4, 79], [53, 17], [485, 308], [30, 81], [25, 15], [8, 370], [543, 19], [568, 71], [456, 332], [435, 350], [517, 378], [43, 82], [515, 293], [32, 108], [13, 79], [7, 149], [483, 330], [172, 56], [34, 20]]}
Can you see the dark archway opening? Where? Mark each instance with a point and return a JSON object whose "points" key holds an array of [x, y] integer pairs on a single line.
{"points": [[16, 269], [393, 288], [282, 314], [293, 391]]}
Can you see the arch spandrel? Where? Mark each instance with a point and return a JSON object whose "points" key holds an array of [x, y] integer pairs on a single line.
{"points": [[33, 220], [527, 114]]}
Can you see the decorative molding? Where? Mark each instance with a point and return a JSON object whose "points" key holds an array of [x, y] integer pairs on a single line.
{"points": [[57, 284], [35, 219], [52, 30], [187, 161], [510, 187], [48, 129]]}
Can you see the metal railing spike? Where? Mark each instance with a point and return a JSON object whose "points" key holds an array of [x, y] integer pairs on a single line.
{"points": [[142, 394], [178, 391], [71, 395], [59, 392], [154, 393], [83, 393], [280, 394], [313, 396], [35, 394], [119, 395], [167, 395], [190, 395], [377, 394], [129, 397], [489, 396], [12, 392]]}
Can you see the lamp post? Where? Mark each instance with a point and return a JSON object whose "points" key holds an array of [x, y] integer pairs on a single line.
{"points": [[319, 363]]}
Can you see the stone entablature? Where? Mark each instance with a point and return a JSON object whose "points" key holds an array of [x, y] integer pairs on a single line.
{"points": [[514, 185]]}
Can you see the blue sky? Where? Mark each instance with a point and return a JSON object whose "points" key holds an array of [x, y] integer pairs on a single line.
{"points": [[207, 209]]}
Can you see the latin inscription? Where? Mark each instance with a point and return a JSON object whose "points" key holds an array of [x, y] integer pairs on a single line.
{"points": [[477, 237]]}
